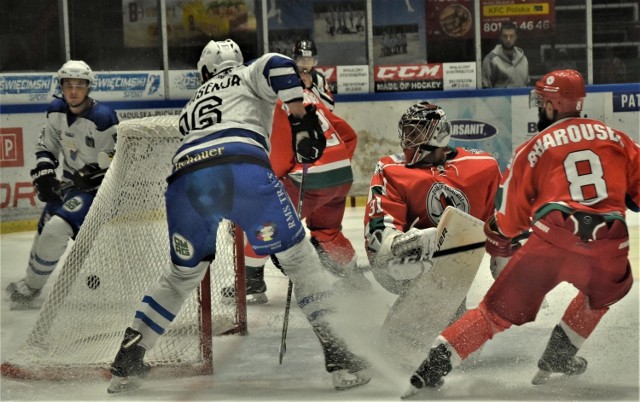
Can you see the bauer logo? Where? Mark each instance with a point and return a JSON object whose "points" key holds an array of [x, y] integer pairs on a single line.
{"points": [[182, 247], [469, 130]]}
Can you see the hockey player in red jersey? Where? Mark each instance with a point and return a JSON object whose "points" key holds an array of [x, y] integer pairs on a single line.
{"points": [[326, 186], [571, 184], [410, 191]]}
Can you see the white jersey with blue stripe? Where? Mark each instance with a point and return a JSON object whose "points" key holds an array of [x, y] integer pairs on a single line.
{"points": [[79, 138], [236, 107]]}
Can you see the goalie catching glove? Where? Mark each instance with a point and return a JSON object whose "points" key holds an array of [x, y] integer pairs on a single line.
{"points": [[89, 177], [407, 254], [46, 184], [308, 137]]}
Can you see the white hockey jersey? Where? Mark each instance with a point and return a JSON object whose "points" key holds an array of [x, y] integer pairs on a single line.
{"points": [[79, 138], [235, 108]]}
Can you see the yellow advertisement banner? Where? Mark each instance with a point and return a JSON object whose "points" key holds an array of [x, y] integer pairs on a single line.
{"points": [[505, 10]]}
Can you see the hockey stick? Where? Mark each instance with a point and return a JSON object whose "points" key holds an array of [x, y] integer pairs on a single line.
{"points": [[473, 246], [287, 308]]}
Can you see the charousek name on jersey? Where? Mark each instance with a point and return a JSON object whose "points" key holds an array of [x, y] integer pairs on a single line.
{"points": [[216, 85], [571, 133]]}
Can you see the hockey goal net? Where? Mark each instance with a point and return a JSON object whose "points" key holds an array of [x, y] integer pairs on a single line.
{"points": [[121, 249]]}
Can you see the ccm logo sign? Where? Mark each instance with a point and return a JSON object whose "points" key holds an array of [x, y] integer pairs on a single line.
{"points": [[11, 154], [408, 72]]}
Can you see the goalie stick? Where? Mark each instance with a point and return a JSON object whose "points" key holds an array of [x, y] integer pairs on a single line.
{"points": [[287, 308], [473, 246]]}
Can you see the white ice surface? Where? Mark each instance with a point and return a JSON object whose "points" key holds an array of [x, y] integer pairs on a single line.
{"points": [[246, 367]]}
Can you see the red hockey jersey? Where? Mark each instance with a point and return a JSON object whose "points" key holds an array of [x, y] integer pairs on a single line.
{"points": [[575, 163], [334, 167], [402, 197]]}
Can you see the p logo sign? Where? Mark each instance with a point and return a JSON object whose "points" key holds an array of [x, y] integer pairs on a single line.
{"points": [[11, 154]]}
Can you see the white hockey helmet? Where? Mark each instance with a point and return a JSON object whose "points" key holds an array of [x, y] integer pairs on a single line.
{"points": [[219, 56], [423, 128], [76, 69]]}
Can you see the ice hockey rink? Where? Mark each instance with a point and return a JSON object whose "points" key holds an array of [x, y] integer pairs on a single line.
{"points": [[247, 368]]}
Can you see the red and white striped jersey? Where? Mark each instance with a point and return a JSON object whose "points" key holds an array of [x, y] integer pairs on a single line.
{"points": [[576, 163], [334, 167]]}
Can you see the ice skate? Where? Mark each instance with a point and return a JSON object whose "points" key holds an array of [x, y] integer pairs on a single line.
{"points": [[575, 365], [255, 285], [431, 372], [254, 295], [347, 369], [22, 296], [128, 369], [559, 357]]}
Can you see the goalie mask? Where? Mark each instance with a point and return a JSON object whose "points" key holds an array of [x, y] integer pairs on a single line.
{"points": [[217, 57], [422, 129], [565, 90], [76, 69]]}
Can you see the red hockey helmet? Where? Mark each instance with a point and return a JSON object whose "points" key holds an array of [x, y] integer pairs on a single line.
{"points": [[563, 88]]}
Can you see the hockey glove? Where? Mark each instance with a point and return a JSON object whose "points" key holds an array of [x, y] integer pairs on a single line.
{"points": [[308, 137], [46, 184], [89, 177], [497, 244], [407, 254], [420, 243]]}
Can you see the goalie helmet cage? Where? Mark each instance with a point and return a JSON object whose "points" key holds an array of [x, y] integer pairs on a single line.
{"points": [[120, 251]]}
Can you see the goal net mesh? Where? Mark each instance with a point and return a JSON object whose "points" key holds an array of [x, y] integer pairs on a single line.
{"points": [[121, 249]]}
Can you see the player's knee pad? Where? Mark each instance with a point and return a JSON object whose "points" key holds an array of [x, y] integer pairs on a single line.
{"points": [[53, 239], [185, 279], [302, 264]]}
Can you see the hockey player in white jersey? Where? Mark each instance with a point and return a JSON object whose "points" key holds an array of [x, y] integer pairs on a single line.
{"points": [[83, 131], [222, 170]]}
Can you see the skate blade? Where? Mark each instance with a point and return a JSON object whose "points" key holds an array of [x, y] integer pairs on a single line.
{"points": [[34, 305], [123, 384], [257, 298], [345, 381], [541, 377], [410, 393]]}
